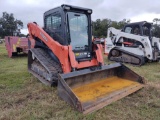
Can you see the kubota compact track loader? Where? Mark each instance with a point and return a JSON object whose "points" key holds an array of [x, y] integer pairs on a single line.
{"points": [[65, 54]]}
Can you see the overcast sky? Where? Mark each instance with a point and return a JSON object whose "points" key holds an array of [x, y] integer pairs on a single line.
{"points": [[32, 10]]}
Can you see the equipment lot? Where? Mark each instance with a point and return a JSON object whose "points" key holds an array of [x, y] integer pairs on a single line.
{"points": [[23, 97]]}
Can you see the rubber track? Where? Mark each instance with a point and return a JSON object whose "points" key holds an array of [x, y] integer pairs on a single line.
{"points": [[45, 61], [141, 58]]}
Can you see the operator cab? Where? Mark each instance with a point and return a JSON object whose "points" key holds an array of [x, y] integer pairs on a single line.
{"points": [[139, 28], [71, 25]]}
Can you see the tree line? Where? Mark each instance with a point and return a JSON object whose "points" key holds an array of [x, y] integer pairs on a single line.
{"points": [[100, 27], [10, 26], [156, 27]]}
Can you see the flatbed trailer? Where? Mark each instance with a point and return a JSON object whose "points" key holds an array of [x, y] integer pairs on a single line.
{"points": [[15, 45]]}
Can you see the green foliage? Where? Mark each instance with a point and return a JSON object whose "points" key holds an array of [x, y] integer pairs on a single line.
{"points": [[100, 27], [156, 27], [156, 30], [22, 35], [9, 25], [156, 20]]}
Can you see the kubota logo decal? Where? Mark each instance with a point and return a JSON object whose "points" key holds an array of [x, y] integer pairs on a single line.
{"points": [[43, 36]]}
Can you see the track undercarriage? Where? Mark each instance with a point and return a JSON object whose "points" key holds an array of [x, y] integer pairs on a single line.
{"points": [[41, 65], [123, 56]]}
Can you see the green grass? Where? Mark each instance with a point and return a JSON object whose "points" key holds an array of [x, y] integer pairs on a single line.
{"points": [[23, 97]]}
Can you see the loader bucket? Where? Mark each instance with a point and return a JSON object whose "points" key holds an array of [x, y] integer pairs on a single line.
{"points": [[90, 90]]}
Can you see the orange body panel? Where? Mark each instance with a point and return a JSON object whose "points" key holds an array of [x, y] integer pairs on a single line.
{"points": [[63, 53], [99, 53], [127, 43]]}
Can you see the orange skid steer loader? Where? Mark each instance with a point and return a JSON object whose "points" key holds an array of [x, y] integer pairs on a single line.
{"points": [[64, 54]]}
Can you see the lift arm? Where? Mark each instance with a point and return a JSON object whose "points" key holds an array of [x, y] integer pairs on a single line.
{"points": [[59, 50]]}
